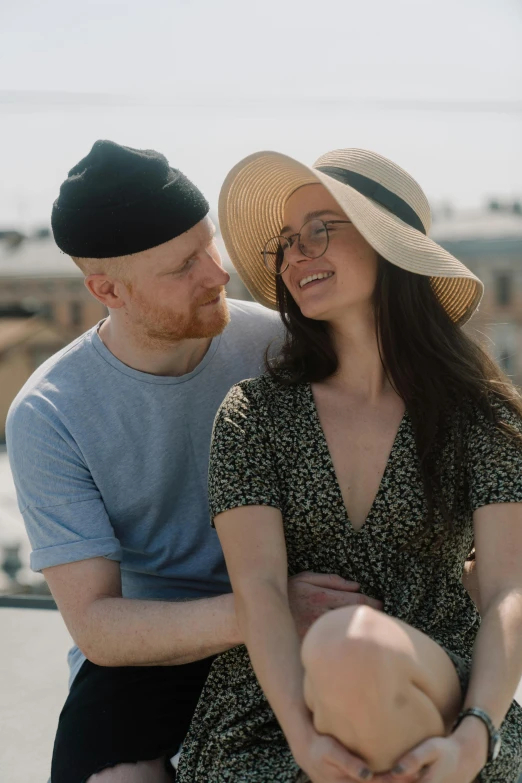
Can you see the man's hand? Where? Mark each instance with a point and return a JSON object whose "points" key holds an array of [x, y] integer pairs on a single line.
{"points": [[311, 595]]}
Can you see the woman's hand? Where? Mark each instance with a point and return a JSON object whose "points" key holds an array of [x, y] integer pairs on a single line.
{"points": [[438, 760], [325, 760]]}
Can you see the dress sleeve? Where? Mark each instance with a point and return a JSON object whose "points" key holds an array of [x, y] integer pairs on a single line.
{"points": [[242, 469], [495, 460]]}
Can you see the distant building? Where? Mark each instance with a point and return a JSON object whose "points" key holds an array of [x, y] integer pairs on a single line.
{"points": [[36, 278], [25, 342], [489, 242], [44, 305]]}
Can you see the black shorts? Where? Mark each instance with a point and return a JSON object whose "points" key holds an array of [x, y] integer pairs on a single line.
{"points": [[124, 714]]}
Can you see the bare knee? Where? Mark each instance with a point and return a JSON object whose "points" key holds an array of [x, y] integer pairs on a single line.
{"points": [[351, 635], [360, 685], [346, 623], [141, 772], [348, 647]]}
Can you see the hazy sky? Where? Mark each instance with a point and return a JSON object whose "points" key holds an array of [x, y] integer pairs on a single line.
{"points": [[209, 81]]}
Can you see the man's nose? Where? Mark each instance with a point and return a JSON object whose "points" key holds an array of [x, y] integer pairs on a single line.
{"points": [[225, 276], [216, 274]]}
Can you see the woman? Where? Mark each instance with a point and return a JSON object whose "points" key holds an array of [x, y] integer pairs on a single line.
{"points": [[384, 446]]}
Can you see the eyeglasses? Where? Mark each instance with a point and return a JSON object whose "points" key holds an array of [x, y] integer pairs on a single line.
{"points": [[312, 241]]}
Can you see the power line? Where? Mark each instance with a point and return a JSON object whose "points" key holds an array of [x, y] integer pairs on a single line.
{"points": [[46, 100]]}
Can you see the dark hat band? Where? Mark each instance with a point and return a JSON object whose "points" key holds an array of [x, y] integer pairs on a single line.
{"points": [[377, 192]]}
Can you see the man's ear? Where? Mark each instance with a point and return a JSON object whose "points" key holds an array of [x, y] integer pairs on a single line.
{"points": [[106, 290]]}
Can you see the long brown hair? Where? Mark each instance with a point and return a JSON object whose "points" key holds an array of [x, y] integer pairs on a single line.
{"points": [[430, 361]]}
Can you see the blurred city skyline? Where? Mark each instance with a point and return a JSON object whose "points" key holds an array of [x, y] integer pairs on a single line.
{"points": [[436, 86]]}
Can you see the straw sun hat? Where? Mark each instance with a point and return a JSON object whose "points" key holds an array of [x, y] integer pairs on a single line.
{"points": [[384, 203]]}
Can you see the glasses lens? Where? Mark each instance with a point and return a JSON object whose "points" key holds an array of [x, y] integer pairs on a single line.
{"points": [[273, 254], [313, 239]]}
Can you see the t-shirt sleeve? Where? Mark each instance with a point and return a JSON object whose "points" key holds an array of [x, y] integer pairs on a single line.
{"points": [[242, 469], [64, 514], [495, 460]]}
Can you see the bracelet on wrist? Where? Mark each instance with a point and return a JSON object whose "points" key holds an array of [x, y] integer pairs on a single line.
{"points": [[495, 740]]}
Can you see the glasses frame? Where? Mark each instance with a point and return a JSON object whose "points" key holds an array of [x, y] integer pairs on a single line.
{"points": [[283, 269]]}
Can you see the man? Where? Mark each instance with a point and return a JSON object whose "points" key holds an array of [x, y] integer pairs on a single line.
{"points": [[109, 442]]}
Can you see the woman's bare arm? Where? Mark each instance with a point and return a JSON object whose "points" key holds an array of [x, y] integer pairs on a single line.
{"points": [[497, 659], [253, 542]]}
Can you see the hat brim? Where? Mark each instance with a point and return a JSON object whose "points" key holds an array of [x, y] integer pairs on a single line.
{"points": [[251, 205]]}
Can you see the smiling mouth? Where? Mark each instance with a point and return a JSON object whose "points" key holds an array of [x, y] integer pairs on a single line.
{"points": [[315, 278]]}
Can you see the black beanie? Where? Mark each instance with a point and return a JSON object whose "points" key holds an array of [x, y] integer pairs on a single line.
{"points": [[118, 201]]}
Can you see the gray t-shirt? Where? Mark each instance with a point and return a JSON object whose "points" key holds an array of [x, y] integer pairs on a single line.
{"points": [[112, 462]]}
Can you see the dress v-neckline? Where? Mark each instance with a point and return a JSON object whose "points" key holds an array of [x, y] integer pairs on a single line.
{"points": [[321, 439]]}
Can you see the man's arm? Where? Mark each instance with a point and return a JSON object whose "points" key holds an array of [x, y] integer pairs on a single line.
{"points": [[114, 631]]}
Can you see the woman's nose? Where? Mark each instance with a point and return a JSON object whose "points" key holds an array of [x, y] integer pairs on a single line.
{"points": [[294, 254]]}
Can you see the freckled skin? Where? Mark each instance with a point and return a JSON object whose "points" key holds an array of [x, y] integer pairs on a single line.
{"points": [[166, 287]]}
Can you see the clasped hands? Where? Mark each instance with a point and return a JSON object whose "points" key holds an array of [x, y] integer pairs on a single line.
{"points": [[436, 760]]}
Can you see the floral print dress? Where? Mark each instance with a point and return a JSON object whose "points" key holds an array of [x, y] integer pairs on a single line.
{"points": [[269, 449]]}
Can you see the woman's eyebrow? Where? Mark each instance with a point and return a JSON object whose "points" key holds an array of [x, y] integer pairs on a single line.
{"points": [[311, 215]]}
